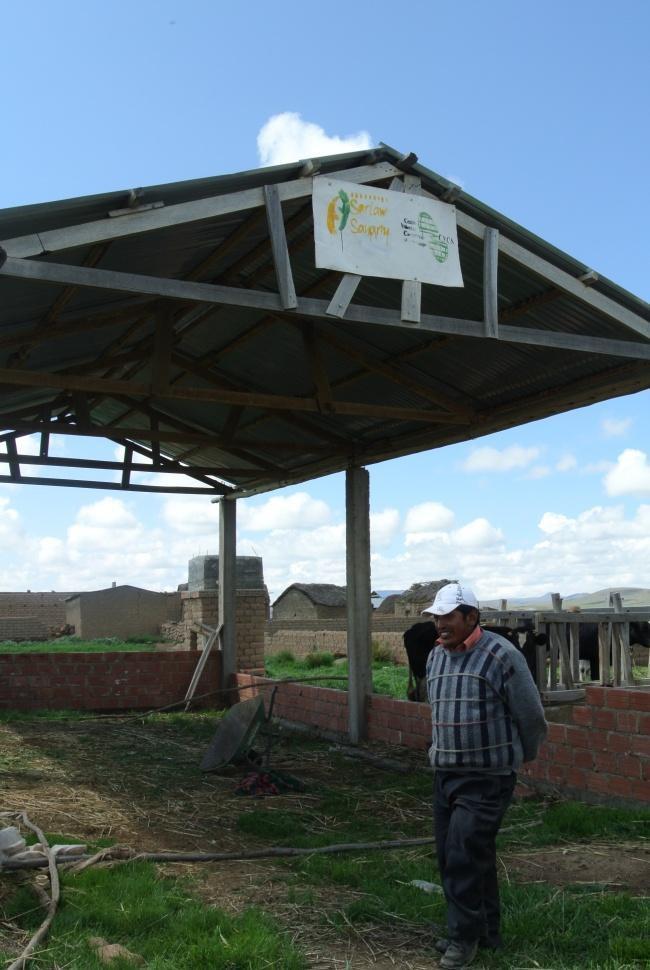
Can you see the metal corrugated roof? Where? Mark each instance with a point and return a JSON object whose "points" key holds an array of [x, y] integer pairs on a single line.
{"points": [[259, 397]]}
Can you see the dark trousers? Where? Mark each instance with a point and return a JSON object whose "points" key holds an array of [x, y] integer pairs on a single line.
{"points": [[467, 810]]}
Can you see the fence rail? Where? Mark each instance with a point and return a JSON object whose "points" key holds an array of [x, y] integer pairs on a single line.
{"points": [[558, 661]]}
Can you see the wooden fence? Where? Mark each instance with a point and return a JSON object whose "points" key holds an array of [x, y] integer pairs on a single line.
{"points": [[557, 661]]}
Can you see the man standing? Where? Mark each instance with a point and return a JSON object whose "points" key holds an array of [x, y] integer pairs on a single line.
{"points": [[487, 719]]}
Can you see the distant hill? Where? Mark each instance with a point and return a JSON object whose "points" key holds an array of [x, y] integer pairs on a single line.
{"points": [[631, 596]]}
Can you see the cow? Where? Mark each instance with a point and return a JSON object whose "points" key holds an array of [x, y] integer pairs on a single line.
{"points": [[420, 639], [588, 642]]}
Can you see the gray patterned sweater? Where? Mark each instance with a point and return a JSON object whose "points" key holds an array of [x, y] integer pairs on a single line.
{"points": [[486, 711]]}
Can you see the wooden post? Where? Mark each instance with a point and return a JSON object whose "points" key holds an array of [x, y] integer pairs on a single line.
{"points": [[357, 541], [558, 633], [227, 588], [574, 650], [621, 653], [490, 286], [604, 640]]}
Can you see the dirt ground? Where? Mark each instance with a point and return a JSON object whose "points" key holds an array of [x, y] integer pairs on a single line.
{"points": [[121, 781]]}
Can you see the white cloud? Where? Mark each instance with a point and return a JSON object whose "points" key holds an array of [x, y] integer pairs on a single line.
{"points": [[383, 527], [566, 463], [108, 513], [494, 460], [192, 515], [630, 474], [552, 522], [478, 534], [286, 137], [538, 471], [428, 517], [297, 511], [615, 427]]}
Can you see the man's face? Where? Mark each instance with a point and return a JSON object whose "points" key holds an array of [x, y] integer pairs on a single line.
{"points": [[454, 628]]}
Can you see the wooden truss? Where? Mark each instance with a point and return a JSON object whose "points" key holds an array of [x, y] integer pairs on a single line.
{"points": [[164, 393]]}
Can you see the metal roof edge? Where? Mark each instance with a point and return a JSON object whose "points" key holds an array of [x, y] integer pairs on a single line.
{"points": [[518, 233]]}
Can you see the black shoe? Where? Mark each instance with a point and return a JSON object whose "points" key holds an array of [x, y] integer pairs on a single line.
{"points": [[459, 954], [484, 943]]}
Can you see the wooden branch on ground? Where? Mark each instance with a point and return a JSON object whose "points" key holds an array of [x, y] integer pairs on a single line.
{"points": [[48, 860]]}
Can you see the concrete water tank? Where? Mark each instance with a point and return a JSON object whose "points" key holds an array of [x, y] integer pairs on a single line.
{"points": [[203, 573]]}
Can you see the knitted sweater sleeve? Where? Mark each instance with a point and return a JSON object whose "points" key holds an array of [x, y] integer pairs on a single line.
{"points": [[525, 707]]}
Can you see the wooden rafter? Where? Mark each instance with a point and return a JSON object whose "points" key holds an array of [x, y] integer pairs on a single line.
{"points": [[271, 302]]}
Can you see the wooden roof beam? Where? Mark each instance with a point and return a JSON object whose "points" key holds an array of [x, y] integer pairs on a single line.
{"points": [[270, 302], [102, 230]]}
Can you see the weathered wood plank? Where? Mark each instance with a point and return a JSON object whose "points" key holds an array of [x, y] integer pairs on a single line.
{"points": [[200, 667], [563, 696], [211, 207], [604, 652], [308, 306], [411, 307], [279, 247], [278, 402], [558, 277], [117, 486], [490, 283], [344, 293]]}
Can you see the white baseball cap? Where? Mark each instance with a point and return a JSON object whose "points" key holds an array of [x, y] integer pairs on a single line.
{"points": [[450, 597]]}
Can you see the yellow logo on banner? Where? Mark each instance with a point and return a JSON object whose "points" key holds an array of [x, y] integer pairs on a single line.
{"points": [[343, 211]]}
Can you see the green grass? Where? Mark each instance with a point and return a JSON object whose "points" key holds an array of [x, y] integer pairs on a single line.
{"points": [[571, 928], [75, 645], [155, 918], [576, 927], [387, 678]]}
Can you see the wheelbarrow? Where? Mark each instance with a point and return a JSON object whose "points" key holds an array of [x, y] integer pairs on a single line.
{"points": [[233, 740]]}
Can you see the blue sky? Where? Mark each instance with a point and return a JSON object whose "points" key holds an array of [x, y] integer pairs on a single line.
{"points": [[539, 112]]}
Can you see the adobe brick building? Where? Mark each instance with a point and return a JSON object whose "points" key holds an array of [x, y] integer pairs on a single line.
{"points": [[121, 611], [311, 601], [31, 616]]}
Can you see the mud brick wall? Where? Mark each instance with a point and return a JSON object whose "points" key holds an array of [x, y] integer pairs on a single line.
{"points": [[121, 611], [302, 636], [251, 614], [602, 755], [102, 681], [30, 616]]}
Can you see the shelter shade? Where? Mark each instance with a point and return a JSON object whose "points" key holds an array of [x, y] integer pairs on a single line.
{"points": [[197, 330]]}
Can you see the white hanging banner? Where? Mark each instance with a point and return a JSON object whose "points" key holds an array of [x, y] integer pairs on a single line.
{"points": [[374, 232]]}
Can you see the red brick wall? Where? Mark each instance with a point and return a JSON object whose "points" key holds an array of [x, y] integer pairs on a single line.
{"points": [[602, 755], [391, 721], [604, 752], [101, 681]]}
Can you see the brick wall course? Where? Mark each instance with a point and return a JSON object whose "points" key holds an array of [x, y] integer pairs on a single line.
{"points": [[587, 763], [102, 681]]}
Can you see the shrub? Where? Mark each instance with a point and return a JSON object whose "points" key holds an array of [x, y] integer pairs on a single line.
{"points": [[285, 657], [319, 660], [381, 653]]}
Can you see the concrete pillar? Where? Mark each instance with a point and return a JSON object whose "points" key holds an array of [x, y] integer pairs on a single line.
{"points": [[357, 542], [227, 586]]}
